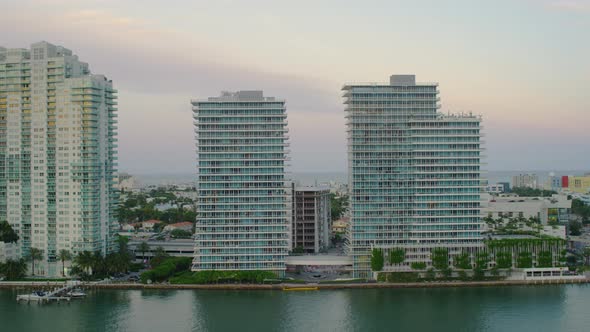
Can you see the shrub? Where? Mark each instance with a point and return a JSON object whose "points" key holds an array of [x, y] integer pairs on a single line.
{"points": [[418, 265], [524, 260], [462, 261], [545, 259], [397, 256], [482, 260], [403, 277], [167, 269], [504, 259], [440, 258]]}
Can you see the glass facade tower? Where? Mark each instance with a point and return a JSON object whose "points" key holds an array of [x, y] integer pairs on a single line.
{"points": [[57, 153], [244, 200], [414, 173]]}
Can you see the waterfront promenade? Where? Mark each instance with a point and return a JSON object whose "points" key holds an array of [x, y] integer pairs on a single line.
{"points": [[319, 286]]}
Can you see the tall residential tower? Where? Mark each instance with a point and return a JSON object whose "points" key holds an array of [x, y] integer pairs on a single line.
{"points": [[244, 200], [57, 153], [414, 174]]}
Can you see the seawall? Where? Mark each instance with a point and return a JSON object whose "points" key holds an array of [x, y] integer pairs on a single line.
{"points": [[380, 285]]}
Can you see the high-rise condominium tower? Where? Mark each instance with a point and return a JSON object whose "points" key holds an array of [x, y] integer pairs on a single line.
{"points": [[244, 200], [414, 174], [57, 153]]}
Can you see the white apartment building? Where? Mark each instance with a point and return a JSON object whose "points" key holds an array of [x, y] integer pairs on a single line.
{"points": [[57, 153], [525, 181], [414, 173], [244, 200], [556, 208]]}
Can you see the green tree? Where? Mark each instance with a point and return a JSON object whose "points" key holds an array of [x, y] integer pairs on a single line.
{"points": [[181, 234], [143, 247], [160, 255], [64, 255], [504, 259], [524, 260], [7, 234], [575, 228], [586, 254], [35, 254], [418, 265], [545, 259], [298, 250], [13, 269], [531, 192], [84, 260], [377, 259], [397, 256], [440, 258], [122, 243], [462, 261]]}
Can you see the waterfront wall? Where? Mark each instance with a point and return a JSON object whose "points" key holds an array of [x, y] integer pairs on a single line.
{"points": [[36, 285]]}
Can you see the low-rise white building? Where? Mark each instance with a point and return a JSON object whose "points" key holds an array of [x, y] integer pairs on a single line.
{"points": [[556, 208], [496, 188], [148, 225]]}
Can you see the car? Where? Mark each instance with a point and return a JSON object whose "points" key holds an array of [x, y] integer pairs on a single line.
{"points": [[133, 278]]}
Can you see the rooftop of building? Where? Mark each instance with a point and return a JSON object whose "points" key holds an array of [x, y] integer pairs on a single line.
{"points": [[152, 221], [398, 80], [239, 96], [180, 224]]}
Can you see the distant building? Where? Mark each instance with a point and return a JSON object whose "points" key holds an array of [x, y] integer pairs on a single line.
{"points": [[506, 186], [576, 184], [553, 182], [312, 218], [525, 181], [556, 208], [148, 225], [244, 199], [496, 188], [185, 226], [127, 182], [340, 226], [165, 206], [128, 227]]}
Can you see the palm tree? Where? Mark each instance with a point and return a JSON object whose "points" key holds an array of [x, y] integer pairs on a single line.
{"points": [[34, 254], [84, 260], [64, 255], [586, 254], [143, 247], [7, 234], [122, 242], [13, 269]]}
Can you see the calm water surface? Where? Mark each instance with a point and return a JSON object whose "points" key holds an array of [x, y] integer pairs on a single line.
{"points": [[540, 308]]}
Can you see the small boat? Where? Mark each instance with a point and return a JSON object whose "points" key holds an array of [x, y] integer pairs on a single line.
{"points": [[300, 288], [76, 293], [34, 296]]}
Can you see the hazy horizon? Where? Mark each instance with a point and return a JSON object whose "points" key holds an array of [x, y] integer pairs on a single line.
{"points": [[521, 64]]}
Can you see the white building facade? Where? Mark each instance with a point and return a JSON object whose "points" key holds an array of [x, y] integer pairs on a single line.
{"points": [[414, 174], [244, 199], [57, 153]]}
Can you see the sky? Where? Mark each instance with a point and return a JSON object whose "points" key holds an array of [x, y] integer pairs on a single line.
{"points": [[524, 65]]}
